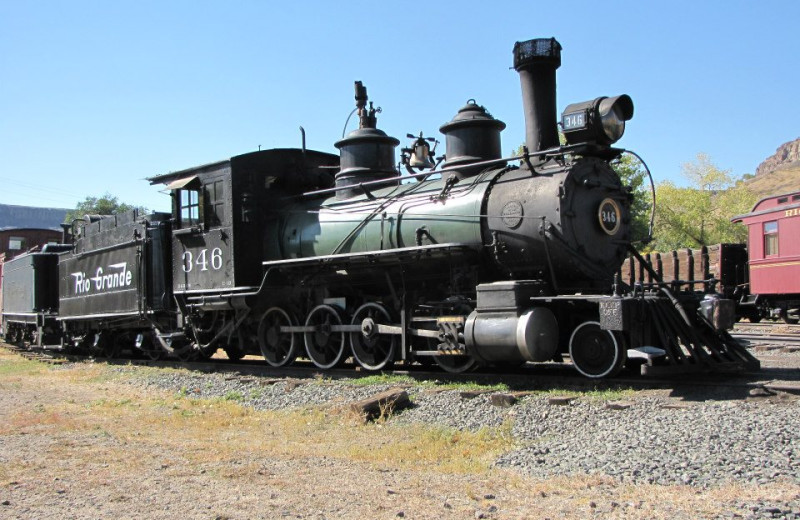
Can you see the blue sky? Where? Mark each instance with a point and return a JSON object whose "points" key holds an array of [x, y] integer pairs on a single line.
{"points": [[97, 95]]}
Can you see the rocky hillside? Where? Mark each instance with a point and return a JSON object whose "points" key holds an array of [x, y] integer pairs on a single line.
{"points": [[779, 173], [787, 156]]}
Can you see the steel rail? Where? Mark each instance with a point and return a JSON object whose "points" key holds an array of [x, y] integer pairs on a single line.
{"points": [[545, 376]]}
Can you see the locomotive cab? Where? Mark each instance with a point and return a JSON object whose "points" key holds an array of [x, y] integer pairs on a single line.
{"points": [[224, 214]]}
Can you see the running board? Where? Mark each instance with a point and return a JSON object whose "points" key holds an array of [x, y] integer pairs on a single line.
{"points": [[646, 353]]}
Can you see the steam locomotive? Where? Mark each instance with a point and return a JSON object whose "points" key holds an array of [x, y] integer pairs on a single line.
{"points": [[477, 259]]}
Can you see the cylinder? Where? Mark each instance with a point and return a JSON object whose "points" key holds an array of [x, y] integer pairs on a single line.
{"points": [[495, 337]]}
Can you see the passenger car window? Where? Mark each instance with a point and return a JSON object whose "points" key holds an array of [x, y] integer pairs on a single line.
{"points": [[771, 238]]}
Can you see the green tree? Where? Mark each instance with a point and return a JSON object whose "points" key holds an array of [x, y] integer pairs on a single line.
{"points": [[700, 214], [632, 173], [106, 204]]}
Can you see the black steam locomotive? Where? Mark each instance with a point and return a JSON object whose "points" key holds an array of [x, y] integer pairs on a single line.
{"points": [[476, 259]]}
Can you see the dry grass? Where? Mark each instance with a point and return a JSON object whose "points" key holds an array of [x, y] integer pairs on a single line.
{"points": [[29, 421], [183, 424], [781, 181], [80, 421], [444, 449]]}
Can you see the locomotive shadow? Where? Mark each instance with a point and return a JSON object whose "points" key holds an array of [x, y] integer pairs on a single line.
{"points": [[766, 383], [546, 378]]}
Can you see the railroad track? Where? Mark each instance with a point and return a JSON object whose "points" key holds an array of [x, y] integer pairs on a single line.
{"points": [[769, 336], [784, 339], [542, 376], [768, 326], [44, 356], [759, 341]]}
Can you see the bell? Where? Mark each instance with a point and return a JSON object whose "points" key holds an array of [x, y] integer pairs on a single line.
{"points": [[421, 158]]}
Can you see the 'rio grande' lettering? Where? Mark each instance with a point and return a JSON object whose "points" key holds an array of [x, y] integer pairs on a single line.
{"points": [[117, 276]]}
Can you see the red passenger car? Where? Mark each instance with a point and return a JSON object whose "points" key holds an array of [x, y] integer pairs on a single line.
{"points": [[774, 251]]}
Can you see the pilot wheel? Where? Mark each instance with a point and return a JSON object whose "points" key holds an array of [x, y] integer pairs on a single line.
{"points": [[596, 353]]}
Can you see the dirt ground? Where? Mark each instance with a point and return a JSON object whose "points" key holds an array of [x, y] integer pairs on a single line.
{"points": [[78, 442]]}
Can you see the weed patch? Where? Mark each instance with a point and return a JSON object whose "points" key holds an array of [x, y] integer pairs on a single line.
{"points": [[472, 385], [13, 365], [233, 395], [383, 379], [595, 394]]}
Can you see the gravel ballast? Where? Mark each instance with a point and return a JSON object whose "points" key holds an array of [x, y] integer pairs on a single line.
{"points": [[650, 439]]}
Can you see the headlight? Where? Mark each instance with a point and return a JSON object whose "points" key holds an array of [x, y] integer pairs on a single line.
{"points": [[600, 121]]}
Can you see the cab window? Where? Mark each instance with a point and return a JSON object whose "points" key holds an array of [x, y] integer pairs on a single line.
{"points": [[214, 203], [189, 208]]}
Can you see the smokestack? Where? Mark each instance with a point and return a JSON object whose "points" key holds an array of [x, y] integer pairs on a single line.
{"points": [[537, 61], [66, 233]]}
